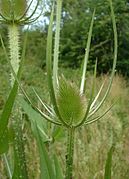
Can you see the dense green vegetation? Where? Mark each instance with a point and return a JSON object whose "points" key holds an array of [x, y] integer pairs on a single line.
{"points": [[97, 143]]}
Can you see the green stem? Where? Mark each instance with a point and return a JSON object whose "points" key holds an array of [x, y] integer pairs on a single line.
{"points": [[70, 152], [20, 168]]}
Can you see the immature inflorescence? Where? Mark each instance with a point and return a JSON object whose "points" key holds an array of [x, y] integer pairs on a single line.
{"points": [[71, 104]]}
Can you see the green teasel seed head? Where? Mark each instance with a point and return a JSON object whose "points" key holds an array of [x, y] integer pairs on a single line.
{"points": [[71, 104], [12, 9]]}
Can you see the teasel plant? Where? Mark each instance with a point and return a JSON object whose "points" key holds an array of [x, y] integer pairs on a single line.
{"points": [[14, 14], [70, 107]]}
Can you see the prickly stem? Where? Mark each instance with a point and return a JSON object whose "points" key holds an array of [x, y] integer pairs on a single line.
{"points": [[20, 169], [70, 152]]}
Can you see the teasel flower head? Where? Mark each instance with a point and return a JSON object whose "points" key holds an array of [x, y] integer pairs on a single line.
{"points": [[71, 107], [71, 103], [16, 12]]}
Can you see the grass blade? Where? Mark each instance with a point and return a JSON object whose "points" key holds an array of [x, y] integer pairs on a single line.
{"points": [[108, 165]]}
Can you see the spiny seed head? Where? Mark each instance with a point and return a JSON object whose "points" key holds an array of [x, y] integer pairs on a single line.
{"points": [[12, 9], [16, 11], [71, 104]]}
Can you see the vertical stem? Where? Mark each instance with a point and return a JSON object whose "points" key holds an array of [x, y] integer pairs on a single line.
{"points": [[70, 152], [20, 168]]}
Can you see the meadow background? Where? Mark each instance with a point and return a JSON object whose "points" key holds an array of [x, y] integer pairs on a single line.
{"points": [[94, 141]]}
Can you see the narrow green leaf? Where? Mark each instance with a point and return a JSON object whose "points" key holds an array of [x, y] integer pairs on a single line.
{"points": [[4, 142], [82, 87], [35, 117], [58, 170], [108, 165], [7, 110], [47, 171]]}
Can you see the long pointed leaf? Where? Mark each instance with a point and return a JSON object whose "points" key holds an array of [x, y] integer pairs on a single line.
{"points": [[47, 171], [82, 87]]}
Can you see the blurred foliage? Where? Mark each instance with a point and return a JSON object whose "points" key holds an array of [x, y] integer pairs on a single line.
{"points": [[76, 18]]}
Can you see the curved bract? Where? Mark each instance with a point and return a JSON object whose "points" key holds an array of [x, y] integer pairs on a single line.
{"points": [[16, 11]]}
